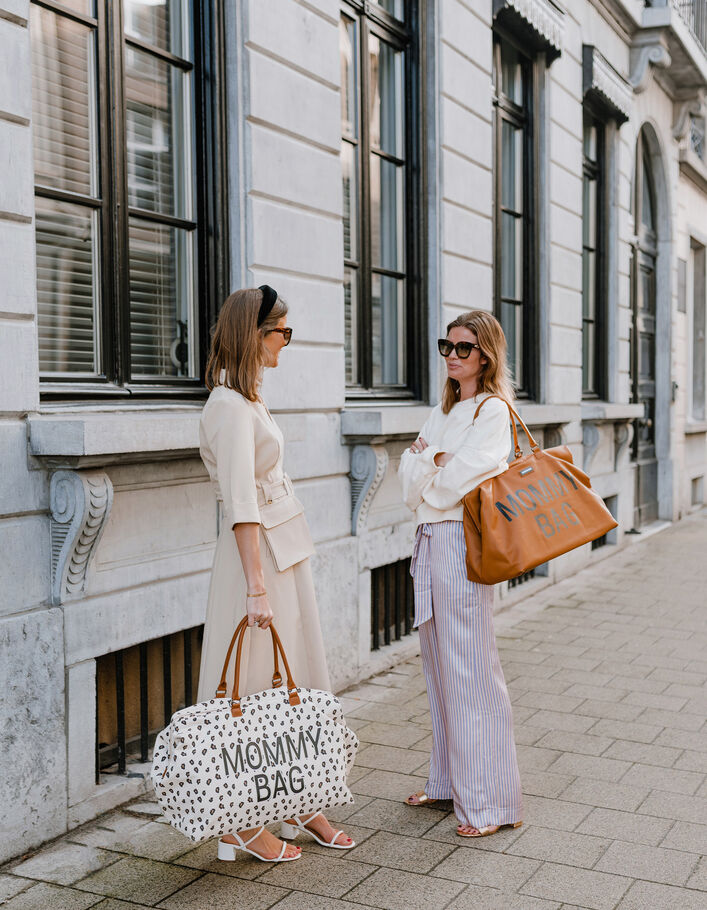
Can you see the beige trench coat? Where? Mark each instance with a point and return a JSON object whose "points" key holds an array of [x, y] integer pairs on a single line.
{"points": [[242, 446]]}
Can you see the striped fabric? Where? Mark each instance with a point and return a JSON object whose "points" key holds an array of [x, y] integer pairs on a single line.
{"points": [[473, 758]]}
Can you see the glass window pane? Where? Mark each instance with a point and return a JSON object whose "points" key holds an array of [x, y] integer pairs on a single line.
{"points": [[87, 7], [394, 7], [350, 190], [387, 206], [386, 97], [63, 103], [589, 292], [588, 357], [511, 167], [388, 318], [590, 140], [351, 325], [511, 256], [349, 76], [512, 76], [162, 325], [512, 323], [158, 22], [158, 134], [67, 289], [647, 208]]}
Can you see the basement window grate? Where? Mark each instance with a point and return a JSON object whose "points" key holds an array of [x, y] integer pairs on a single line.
{"points": [[392, 603]]}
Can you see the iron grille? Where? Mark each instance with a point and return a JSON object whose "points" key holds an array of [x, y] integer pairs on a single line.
{"points": [[521, 579], [392, 603], [694, 12]]}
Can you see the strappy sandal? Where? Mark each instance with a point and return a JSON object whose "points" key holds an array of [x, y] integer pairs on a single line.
{"points": [[227, 851], [421, 799], [290, 832], [486, 830]]}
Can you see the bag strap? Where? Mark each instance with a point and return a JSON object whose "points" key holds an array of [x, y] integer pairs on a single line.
{"points": [[515, 416], [239, 637]]}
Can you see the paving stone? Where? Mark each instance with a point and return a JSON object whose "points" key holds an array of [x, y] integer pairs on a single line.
{"points": [[653, 700], [395, 816], [143, 808], [638, 732], [663, 779], [390, 758], [685, 836], [698, 879], [44, 896], [134, 879], [540, 684], [214, 892], [203, 857], [545, 783], [325, 875], [625, 826], [479, 898], [112, 903], [298, 900], [608, 709], [154, 841], [392, 889], [685, 738], [559, 846], [556, 720], [589, 766], [446, 832], [596, 693], [583, 678], [389, 785], [10, 885], [675, 805], [673, 720], [554, 813], [388, 735], [646, 753], [368, 692], [385, 714], [526, 735], [64, 863], [395, 851], [650, 896], [580, 887], [583, 743], [548, 701], [656, 864], [496, 870], [531, 758]]}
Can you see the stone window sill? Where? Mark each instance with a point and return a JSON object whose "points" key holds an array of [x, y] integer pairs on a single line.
{"points": [[84, 436], [695, 427], [610, 412]]}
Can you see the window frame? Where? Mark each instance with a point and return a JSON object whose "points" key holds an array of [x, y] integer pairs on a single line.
{"points": [[597, 171], [524, 118], [112, 380], [406, 35]]}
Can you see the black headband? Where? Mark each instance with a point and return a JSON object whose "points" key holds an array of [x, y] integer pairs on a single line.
{"points": [[269, 298]]}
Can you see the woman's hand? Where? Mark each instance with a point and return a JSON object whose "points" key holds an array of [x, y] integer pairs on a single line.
{"points": [[443, 458], [418, 446], [258, 609]]}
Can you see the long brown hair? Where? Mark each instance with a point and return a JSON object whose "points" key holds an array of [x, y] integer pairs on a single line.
{"points": [[495, 378], [237, 342]]}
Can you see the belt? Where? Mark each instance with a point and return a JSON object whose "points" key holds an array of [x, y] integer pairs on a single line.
{"points": [[421, 572], [271, 492]]}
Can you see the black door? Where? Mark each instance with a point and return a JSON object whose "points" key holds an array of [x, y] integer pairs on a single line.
{"points": [[643, 342]]}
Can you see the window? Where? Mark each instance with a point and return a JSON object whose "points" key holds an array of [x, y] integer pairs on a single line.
{"points": [[699, 306], [515, 261], [121, 108], [380, 172], [593, 233]]}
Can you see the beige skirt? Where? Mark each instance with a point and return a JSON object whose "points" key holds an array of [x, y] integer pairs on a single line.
{"points": [[295, 616]]}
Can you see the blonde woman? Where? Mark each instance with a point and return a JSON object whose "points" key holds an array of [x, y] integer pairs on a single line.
{"points": [[242, 448], [473, 758]]}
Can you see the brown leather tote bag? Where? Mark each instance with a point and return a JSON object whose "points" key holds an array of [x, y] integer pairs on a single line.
{"points": [[541, 507]]}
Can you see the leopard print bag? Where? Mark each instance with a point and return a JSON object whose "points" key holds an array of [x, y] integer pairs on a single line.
{"points": [[233, 763]]}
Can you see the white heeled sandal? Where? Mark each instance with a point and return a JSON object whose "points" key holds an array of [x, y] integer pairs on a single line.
{"points": [[227, 851], [290, 832]]}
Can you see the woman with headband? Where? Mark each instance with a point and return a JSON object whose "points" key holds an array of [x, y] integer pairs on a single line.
{"points": [[242, 448]]}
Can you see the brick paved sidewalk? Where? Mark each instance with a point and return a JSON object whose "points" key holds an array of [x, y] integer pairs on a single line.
{"points": [[608, 674]]}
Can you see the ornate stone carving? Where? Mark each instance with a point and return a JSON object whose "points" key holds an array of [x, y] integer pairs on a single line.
{"points": [[604, 83], [684, 109], [643, 57], [546, 19], [80, 503], [590, 444], [552, 437], [368, 467], [623, 433]]}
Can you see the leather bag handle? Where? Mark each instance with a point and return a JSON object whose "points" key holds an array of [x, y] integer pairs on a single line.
{"points": [[515, 416], [239, 636]]}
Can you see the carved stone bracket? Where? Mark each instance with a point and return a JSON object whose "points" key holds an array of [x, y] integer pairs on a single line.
{"points": [[590, 443], [603, 84], [80, 502], [643, 57], [368, 467], [553, 436], [541, 19], [623, 433], [694, 106]]}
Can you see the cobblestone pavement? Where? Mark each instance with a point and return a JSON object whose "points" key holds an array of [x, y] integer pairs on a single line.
{"points": [[608, 674]]}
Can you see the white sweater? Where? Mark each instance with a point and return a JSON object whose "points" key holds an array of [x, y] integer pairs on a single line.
{"points": [[480, 451]]}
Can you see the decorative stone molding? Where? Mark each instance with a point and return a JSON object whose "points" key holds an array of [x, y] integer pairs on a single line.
{"points": [[686, 108], [603, 84], [643, 57], [80, 503], [543, 17], [590, 444], [623, 433], [553, 437], [368, 467]]}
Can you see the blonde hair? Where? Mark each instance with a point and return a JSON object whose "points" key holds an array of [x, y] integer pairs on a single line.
{"points": [[495, 377], [237, 342]]}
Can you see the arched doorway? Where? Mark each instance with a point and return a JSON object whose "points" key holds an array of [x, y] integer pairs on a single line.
{"points": [[650, 333]]}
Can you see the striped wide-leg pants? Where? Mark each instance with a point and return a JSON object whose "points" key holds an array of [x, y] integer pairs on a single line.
{"points": [[473, 758]]}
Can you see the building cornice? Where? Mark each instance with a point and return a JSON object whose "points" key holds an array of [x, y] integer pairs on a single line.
{"points": [[543, 18], [605, 85]]}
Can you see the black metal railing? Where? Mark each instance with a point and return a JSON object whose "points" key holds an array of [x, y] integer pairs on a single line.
{"points": [[137, 691], [521, 579], [694, 12], [392, 603]]}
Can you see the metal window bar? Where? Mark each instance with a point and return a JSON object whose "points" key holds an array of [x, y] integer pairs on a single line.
{"points": [[521, 579], [392, 603], [694, 13], [129, 695]]}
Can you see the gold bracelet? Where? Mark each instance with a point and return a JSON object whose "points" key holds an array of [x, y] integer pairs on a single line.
{"points": [[262, 594]]}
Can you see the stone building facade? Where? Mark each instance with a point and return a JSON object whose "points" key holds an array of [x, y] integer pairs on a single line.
{"points": [[385, 166]]}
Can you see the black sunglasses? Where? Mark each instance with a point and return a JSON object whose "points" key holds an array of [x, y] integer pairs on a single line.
{"points": [[286, 334], [463, 348]]}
